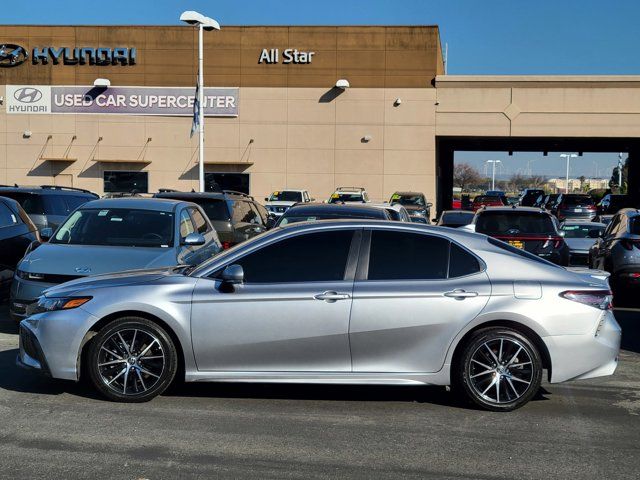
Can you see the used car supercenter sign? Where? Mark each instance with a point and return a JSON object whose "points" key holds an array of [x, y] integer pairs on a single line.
{"points": [[171, 101]]}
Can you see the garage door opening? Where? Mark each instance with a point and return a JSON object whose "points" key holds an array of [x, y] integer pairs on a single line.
{"points": [[471, 166]]}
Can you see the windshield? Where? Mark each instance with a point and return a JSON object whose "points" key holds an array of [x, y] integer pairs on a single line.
{"points": [[346, 197], [117, 227], [415, 200], [515, 223], [581, 231], [577, 200], [286, 196]]}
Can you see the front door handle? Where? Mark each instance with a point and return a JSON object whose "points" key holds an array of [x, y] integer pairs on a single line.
{"points": [[460, 294], [332, 296]]}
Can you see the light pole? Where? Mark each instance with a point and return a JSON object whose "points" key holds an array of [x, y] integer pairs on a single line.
{"points": [[203, 23], [568, 156], [620, 171], [493, 174]]}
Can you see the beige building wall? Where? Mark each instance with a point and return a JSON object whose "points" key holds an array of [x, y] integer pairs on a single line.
{"points": [[283, 137], [538, 106]]}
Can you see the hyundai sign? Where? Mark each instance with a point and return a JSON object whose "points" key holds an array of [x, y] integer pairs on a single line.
{"points": [[169, 101]]}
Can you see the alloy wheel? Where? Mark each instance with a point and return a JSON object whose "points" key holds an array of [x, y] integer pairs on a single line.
{"points": [[501, 370], [131, 361]]}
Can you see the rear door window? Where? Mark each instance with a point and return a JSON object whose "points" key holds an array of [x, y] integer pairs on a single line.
{"points": [[407, 256]]}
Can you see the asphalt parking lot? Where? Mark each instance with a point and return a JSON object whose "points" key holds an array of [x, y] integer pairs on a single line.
{"points": [[588, 429]]}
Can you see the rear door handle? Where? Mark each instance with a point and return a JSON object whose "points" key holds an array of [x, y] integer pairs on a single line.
{"points": [[332, 296], [460, 294]]}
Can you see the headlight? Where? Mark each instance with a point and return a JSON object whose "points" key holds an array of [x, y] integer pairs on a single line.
{"points": [[270, 208], [50, 304], [421, 213]]}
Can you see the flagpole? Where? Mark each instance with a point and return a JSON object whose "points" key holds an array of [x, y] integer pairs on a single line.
{"points": [[200, 110]]}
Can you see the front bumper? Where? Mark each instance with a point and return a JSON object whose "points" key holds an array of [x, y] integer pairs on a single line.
{"points": [[30, 354], [594, 354], [50, 342]]}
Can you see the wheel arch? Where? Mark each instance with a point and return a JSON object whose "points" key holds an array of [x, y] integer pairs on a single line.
{"points": [[514, 325], [101, 323]]}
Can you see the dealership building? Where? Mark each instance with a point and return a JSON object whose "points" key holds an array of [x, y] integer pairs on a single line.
{"points": [[110, 108]]}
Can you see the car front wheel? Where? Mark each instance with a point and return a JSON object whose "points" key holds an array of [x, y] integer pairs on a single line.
{"points": [[132, 359], [500, 369]]}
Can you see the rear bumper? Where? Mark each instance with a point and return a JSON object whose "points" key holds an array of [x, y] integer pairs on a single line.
{"points": [[594, 354]]}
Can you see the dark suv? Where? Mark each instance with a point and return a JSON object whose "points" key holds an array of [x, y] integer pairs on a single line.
{"points": [[17, 232], [236, 216], [575, 206], [48, 205], [530, 229]]}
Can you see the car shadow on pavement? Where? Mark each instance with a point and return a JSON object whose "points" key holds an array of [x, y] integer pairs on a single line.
{"points": [[16, 379], [434, 395]]}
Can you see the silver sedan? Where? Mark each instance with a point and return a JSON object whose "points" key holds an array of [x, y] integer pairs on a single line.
{"points": [[335, 302]]}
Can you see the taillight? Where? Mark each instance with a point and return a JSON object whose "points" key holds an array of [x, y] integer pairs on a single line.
{"points": [[600, 299], [557, 242], [227, 245], [591, 207]]}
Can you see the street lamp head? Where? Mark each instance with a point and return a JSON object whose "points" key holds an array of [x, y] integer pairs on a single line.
{"points": [[195, 18]]}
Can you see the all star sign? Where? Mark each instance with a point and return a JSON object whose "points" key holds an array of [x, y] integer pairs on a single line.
{"points": [[290, 55]]}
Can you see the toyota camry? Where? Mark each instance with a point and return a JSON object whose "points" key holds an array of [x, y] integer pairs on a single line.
{"points": [[335, 302]]}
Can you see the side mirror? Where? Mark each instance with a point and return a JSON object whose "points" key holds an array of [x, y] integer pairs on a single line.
{"points": [[312, 199], [266, 199], [194, 239], [233, 274], [429, 204], [46, 233]]}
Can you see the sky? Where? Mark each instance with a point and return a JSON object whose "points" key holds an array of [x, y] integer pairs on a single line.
{"points": [[501, 37]]}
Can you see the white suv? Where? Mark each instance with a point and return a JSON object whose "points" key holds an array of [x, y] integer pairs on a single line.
{"points": [[280, 200], [349, 194]]}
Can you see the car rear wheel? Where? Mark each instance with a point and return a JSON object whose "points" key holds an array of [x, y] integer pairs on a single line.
{"points": [[132, 359], [500, 369]]}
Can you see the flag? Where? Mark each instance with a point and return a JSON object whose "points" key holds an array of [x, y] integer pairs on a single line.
{"points": [[196, 108]]}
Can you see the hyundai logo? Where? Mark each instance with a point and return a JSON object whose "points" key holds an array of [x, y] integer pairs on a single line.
{"points": [[83, 270], [27, 95], [12, 55]]}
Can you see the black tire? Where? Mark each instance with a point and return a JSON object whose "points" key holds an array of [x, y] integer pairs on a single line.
{"points": [[152, 360], [476, 368]]}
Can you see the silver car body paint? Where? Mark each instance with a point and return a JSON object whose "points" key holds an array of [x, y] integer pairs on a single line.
{"points": [[401, 332]]}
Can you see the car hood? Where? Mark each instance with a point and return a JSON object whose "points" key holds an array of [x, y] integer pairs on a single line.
{"points": [[579, 244], [121, 279], [58, 259], [280, 204]]}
